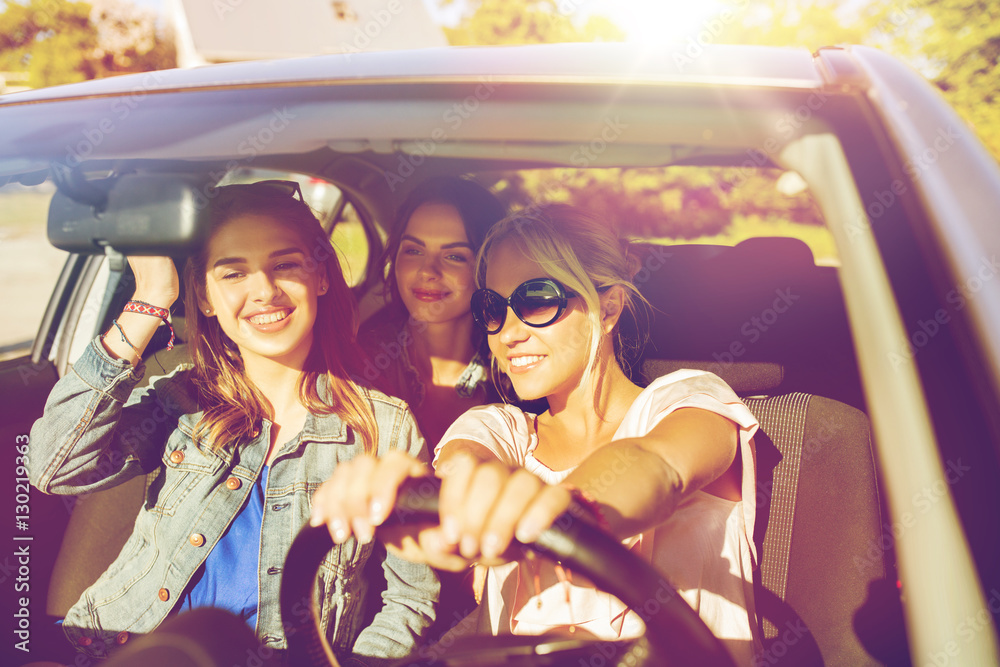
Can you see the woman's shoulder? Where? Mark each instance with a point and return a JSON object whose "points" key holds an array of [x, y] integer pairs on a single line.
{"points": [[175, 391], [501, 422], [379, 398], [505, 411], [384, 339], [389, 409], [687, 388], [504, 429]]}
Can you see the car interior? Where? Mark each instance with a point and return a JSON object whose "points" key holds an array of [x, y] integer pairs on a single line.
{"points": [[762, 314], [792, 321]]}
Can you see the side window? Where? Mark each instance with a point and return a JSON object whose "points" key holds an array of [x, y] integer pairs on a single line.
{"points": [[29, 265], [354, 249]]}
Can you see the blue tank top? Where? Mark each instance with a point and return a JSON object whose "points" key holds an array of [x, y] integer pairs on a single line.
{"points": [[228, 579]]}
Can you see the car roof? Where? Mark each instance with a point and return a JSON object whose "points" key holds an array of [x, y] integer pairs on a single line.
{"points": [[383, 104], [735, 65]]}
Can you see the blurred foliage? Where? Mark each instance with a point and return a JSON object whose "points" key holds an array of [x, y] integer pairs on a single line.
{"points": [[58, 41], [48, 40], [655, 202], [955, 42], [793, 23], [494, 22], [959, 39]]}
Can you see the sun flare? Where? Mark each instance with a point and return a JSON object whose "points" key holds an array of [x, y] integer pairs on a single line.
{"points": [[656, 22]]}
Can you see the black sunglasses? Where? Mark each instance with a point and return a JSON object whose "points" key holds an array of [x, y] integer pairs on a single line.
{"points": [[268, 188], [537, 302]]}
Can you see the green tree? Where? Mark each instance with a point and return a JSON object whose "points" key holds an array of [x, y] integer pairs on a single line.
{"points": [[130, 39], [50, 39], [61, 41], [793, 23], [959, 42], [493, 22]]}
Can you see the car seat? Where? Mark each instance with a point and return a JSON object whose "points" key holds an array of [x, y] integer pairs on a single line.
{"points": [[824, 590], [771, 323]]}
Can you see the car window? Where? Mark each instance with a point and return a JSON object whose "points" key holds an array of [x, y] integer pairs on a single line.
{"points": [[686, 204], [353, 245], [29, 265]]}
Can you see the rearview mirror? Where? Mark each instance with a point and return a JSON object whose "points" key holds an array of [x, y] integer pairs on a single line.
{"points": [[143, 214]]}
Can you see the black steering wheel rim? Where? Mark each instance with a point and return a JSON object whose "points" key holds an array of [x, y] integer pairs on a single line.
{"points": [[675, 634]]}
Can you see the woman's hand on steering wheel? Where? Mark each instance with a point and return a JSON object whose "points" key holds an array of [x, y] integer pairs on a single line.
{"points": [[484, 506], [483, 498]]}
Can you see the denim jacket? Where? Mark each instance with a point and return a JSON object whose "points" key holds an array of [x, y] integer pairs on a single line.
{"points": [[97, 432]]}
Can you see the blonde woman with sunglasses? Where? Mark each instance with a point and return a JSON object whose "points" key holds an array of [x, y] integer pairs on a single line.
{"points": [[669, 469], [238, 443]]}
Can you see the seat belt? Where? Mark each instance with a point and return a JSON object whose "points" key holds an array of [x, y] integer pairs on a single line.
{"points": [[783, 419]]}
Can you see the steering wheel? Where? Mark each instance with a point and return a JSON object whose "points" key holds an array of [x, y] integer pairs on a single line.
{"points": [[675, 635]]}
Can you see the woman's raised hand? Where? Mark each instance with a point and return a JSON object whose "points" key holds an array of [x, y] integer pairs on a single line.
{"points": [[157, 284], [483, 507], [156, 280]]}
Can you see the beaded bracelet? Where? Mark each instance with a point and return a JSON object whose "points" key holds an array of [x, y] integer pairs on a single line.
{"points": [[144, 308]]}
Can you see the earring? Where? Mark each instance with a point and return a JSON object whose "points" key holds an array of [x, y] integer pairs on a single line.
{"points": [[208, 311]]}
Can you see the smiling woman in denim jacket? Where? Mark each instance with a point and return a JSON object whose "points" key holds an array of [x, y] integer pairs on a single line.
{"points": [[238, 443]]}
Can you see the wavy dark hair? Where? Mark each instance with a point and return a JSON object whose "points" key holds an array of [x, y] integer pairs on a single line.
{"points": [[233, 406], [478, 207]]}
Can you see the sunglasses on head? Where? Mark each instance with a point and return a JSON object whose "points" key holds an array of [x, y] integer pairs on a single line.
{"points": [[271, 188], [537, 302]]}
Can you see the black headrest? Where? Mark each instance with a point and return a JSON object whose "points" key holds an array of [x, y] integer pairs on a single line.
{"points": [[747, 378]]}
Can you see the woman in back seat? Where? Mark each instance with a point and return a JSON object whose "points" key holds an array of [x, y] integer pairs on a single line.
{"points": [[425, 347], [668, 469], [428, 351]]}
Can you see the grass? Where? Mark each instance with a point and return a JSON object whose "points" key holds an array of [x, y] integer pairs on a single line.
{"points": [[24, 212]]}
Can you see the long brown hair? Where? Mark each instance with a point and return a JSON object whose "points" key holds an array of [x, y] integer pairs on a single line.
{"points": [[233, 406], [478, 208]]}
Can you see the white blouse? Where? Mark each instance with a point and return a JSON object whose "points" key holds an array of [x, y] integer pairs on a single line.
{"points": [[705, 549]]}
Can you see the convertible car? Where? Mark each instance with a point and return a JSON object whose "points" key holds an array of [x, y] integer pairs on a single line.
{"points": [[868, 350]]}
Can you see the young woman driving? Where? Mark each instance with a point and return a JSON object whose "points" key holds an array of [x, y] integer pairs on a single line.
{"points": [[669, 467], [238, 443]]}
